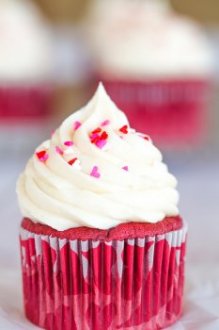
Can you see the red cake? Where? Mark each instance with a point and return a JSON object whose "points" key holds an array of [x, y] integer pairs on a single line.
{"points": [[122, 231]]}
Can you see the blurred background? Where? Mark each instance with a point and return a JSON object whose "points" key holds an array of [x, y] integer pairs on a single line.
{"points": [[159, 60]]}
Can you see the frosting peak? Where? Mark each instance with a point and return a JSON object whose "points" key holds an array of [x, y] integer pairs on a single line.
{"points": [[96, 171]]}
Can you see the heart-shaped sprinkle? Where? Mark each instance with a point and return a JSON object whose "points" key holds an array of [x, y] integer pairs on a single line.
{"points": [[125, 168], [97, 130], [99, 137], [124, 129], [68, 143], [42, 155], [101, 143], [94, 138], [104, 136], [75, 163], [105, 123], [76, 125], [72, 161], [95, 172], [59, 151]]}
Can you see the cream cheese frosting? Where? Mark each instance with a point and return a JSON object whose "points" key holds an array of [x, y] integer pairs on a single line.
{"points": [[98, 172], [146, 39], [25, 43]]}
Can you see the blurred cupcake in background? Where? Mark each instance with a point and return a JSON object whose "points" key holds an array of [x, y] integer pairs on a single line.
{"points": [[25, 61], [155, 64]]}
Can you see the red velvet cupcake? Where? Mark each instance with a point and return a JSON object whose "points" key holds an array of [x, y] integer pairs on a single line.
{"points": [[102, 242], [156, 66], [25, 62]]}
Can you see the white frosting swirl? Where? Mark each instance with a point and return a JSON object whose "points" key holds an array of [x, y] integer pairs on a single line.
{"points": [[121, 181]]}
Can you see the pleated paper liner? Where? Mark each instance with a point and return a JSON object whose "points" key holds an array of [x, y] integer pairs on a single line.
{"points": [[25, 102], [132, 283], [173, 112]]}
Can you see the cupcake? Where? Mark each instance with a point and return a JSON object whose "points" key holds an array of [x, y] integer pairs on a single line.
{"points": [[155, 64], [25, 63], [102, 242]]}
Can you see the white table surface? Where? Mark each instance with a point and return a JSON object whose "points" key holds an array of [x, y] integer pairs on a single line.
{"points": [[198, 177]]}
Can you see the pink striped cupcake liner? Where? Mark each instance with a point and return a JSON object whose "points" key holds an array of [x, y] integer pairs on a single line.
{"points": [[131, 284]]}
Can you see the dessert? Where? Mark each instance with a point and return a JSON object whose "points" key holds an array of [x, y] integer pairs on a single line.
{"points": [[25, 61], [102, 242], [155, 64]]}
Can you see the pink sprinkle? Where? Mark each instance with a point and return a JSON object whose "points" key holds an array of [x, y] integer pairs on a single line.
{"points": [[76, 125], [59, 151], [125, 168], [95, 172], [44, 158], [96, 130], [101, 143], [93, 137], [68, 143], [105, 123]]}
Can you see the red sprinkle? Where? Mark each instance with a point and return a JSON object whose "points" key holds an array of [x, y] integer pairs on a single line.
{"points": [[76, 125], [146, 138], [97, 130], [104, 136], [68, 143], [42, 155], [59, 151], [95, 172], [94, 138], [72, 161], [105, 122], [124, 129], [99, 137], [125, 168]]}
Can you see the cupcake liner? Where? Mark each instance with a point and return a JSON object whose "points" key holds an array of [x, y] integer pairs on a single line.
{"points": [[98, 284], [25, 101], [172, 112]]}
